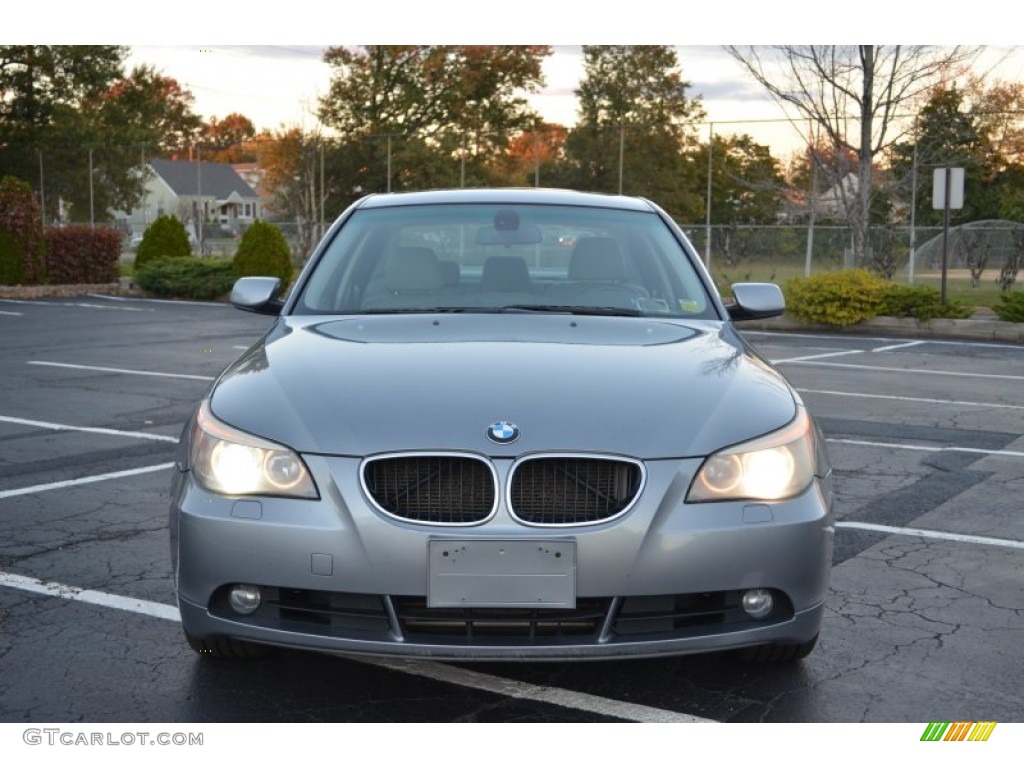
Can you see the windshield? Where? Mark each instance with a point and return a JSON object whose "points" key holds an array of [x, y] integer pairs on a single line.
{"points": [[505, 258]]}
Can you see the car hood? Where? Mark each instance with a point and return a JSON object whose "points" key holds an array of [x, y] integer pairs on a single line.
{"points": [[375, 384]]}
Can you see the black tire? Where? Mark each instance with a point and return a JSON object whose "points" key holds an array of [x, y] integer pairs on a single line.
{"points": [[220, 647], [770, 654]]}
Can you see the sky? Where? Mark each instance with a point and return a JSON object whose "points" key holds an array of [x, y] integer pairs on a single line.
{"points": [[277, 86], [267, 64]]}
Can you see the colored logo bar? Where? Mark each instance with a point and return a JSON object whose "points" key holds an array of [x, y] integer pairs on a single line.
{"points": [[958, 731]]}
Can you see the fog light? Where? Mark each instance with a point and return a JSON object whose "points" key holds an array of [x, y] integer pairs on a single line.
{"points": [[758, 603], [245, 598]]}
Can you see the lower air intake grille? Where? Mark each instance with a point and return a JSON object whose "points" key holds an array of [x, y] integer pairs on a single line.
{"points": [[447, 490], [466, 625], [573, 491]]}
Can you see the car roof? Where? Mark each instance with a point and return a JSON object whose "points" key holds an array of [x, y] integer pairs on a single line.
{"points": [[523, 195]]}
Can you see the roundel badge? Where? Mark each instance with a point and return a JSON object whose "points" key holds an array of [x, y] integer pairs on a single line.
{"points": [[503, 432]]}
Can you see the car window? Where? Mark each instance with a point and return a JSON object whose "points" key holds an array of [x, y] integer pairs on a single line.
{"points": [[496, 257]]}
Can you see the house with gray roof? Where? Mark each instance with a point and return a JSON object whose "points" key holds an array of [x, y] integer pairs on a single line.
{"points": [[213, 193]]}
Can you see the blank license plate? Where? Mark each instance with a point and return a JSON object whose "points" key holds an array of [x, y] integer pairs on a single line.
{"points": [[502, 574]]}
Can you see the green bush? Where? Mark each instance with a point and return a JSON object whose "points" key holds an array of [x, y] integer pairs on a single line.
{"points": [[1011, 307], [922, 302], [263, 251], [835, 298], [82, 254], [22, 248], [186, 277], [165, 237]]}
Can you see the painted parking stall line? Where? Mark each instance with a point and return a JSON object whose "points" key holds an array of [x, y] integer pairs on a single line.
{"points": [[105, 599], [924, 533], [83, 480], [927, 448], [925, 371], [906, 399], [91, 430], [885, 339], [126, 371], [432, 670]]}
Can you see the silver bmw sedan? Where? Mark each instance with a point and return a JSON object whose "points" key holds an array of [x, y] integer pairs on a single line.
{"points": [[502, 424]]}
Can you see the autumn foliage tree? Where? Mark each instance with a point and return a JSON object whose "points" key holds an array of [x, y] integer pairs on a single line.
{"points": [[414, 116], [231, 139]]}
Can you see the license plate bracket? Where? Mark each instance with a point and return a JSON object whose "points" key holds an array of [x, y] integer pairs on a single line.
{"points": [[501, 573]]}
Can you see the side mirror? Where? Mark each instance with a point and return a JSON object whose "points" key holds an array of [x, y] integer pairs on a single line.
{"points": [[257, 294], [754, 301]]}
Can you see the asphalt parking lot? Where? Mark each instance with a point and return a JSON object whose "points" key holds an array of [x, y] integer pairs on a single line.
{"points": [[925, 620]]}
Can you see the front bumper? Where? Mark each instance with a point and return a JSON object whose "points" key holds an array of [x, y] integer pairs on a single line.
{"points": [[663, 579]]}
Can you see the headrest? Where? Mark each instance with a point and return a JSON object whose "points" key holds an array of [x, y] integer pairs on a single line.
{"points": [[596, 259], [413, 269]]}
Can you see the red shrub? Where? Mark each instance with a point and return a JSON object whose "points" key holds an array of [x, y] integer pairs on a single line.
{"points": [[81, 254]]}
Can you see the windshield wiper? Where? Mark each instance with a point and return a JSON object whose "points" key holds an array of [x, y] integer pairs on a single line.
{"points": [[426, 310], [574, 310]]}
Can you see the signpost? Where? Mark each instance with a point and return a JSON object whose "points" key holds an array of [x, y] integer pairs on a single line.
{"points": [[947, 194]]}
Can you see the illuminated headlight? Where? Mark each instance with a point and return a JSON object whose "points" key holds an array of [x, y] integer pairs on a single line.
{"points": [[776, 466], [229, 461]]}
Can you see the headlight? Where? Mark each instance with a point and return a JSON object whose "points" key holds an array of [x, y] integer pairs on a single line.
{"points": [[229, 461], [773, 467]]}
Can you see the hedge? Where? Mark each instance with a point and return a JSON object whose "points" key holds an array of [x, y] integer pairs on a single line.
{"points": [[81, 254], [22, 249]]}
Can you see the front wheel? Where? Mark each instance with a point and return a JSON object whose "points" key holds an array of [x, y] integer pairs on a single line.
{"points": [[778, 653], [220, 647]]}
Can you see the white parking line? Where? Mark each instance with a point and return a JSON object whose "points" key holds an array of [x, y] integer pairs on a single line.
{"points": [[13, 314], [857, 337], [83, 480], [93, 430], [928, 372], [65, 592], [927, 448], [100, 306], [432, 670], [515, 689], [891, 347], [911, 399], [121, 370], [818, 357], [158, 301], [962, 538]]}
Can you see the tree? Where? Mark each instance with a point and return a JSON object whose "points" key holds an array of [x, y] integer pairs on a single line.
{"points": [[947, 135], [229, 140], [746, 189], [530, 156], [448, 108], [67, 109], [44, 93], [633, 108], [290, 160], [858, 97]]}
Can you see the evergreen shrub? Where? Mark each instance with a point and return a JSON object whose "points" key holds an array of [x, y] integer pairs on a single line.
{"points": [[263, 251], [165, 237]]}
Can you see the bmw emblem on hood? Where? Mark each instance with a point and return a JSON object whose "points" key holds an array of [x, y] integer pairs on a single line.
{"points": [[503, 432]]}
